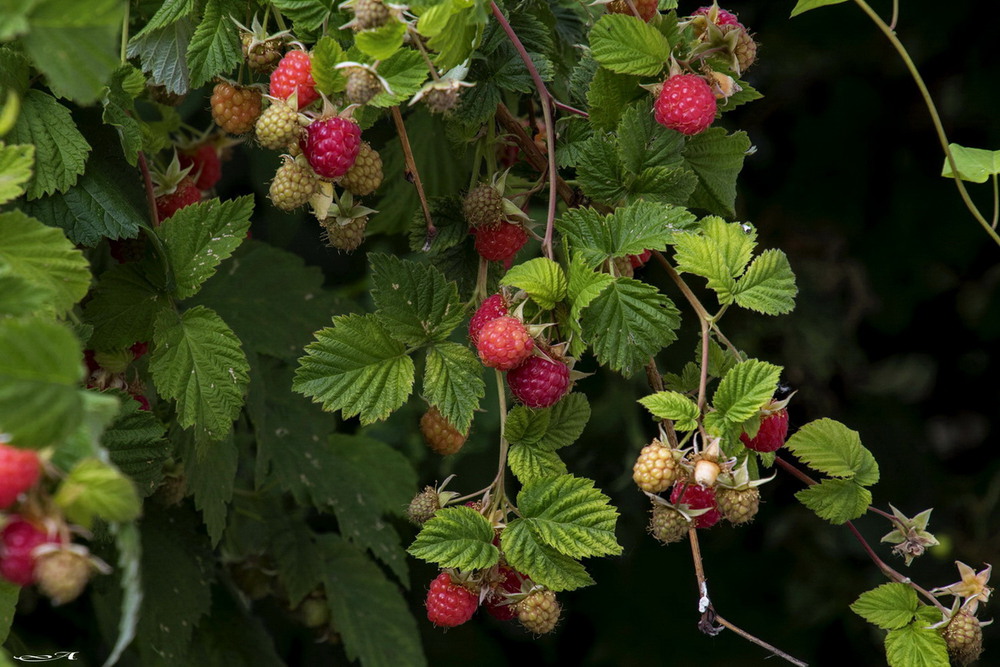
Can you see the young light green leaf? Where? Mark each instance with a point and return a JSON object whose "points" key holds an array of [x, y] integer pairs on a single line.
{"points": [[720, 252], [803, 6], [541, 278], [215, 46], [405, 72], [836, 500], [199, 237], [629, 322], [530, 463], [416, 303], [99, 410], [197, 361], [548, 429], [453, 381], [124, 306], [381, 43], [768, 286], [916, 645], [43, 256], [136, 445], [627, 45], [16, 164], [94, 489], [673, 406], [717, 158], [568, 514], [974, 164], [745, 388], [527, 553], [19, 296], [456, 537], [60, 150], [890, 606], [325, 56], [831, 448], [357, 367]]}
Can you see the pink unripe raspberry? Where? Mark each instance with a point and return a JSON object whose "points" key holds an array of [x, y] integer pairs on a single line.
{"points": [[294, 72], [539, 382], [19, 470], [722, 18], [331, 145], [696, 498], [686, 104], [504, 343], [491, 308]]}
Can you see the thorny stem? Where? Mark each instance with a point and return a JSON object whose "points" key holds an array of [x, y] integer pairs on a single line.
{"points": [[550, 131], [531, 152], [413, 176], [886, 569], [935, 118]]}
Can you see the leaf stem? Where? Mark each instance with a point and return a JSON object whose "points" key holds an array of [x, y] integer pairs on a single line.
{"points": [[532, 154], [125, 20], [413, 175]]}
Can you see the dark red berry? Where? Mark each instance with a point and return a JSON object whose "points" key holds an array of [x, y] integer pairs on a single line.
{"points": [[696, 498], [771, 435], [17, 542], [331, 145], [539, 382], [187, 193], [205, 165], [501, 242]]}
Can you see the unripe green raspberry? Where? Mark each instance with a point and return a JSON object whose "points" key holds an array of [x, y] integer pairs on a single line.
{"points": [[746, 47], [737, 505], [655, 469], [667, 524], [964, 638], [62, 574], [483, 206], [278, 127], [261, 56], [362, 85], [539, 611], [371, 14], [441, 100], [345, 237], [365, 176], [423, 506], [292, 186]]}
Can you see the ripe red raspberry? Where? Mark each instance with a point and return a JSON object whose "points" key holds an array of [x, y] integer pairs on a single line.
{"points": [[17, 542], [638, 261], [504, 343], [500, 242], [185, 194], [205, 165], [738, 505], [492, 308], [667, 525], [331, 145], [655, 469], [771, 435], [234, 108], [539, 382], [439, 434], [686, 104], [498, 604], [294, 72], [723, 17], [539, 611], [450, 604], [483, 206], [646, 8], [63, 573], [364, 177], [19, 470], [696, 498]]}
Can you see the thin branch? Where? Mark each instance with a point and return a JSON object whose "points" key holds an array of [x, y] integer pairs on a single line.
{"points": [[413, 176], [532, 154], [895, 15], [685, 290], [154, 217], [568, 108], [759, 642]]}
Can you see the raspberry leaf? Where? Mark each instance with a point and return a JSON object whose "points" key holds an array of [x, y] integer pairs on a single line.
{"points": [[890, 606], [19, 296], [673, 406], [215, 46], [568, 514], [530, 463], [601, 174], [405, 72], [627, 45], [454, 28], [768, 286], [584, 286], [743, 390], [325, 56], [717, 158], [720, 252], [974, 164], [16, 168], [158, 52], [526, 552], [197, 361], [416, 303], [831, 448], [916, 645], [608, 96], [357, 367], [136, 445], [305, 14], [541, 278], [94, 489], [129, 548], [9, 593], [381, 43], [124, 306], [643, 143], [60, 150], [803, 6], [836, 500], [456, 537], [453, 381], [297, 557], [548, 429]]}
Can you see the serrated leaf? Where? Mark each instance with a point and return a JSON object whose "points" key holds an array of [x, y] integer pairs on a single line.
{"points": [[210, 472], [541, 278], [19, 296], [94, 489], [719, 252], [44, 257], [16, 164], [9, 594], [99, 411], [136, 445], [629, 322], [215, 46], [297, 558], [568, 514], [405, 72], [456, 537], [805, 5], [673, 406], [548, 429], [199, 237], [40, 370], [974, 164], [169, 12], [163, 54], [916, 646], [357, 367], [600, 173], [890, 606], [197, 361], [381, 43], [416, 303], [831, 448], [666, 185], [836, 500], [60, 150], [129, 546], [324, 58], [530, 463], [644, 143], [528, 554], [455, 28], [585, 285], [627, 45], [453, 381], [124, 306], [306, 14], [744, 389], [768, 286], [717, 159], [126, 84], [608, 96]]}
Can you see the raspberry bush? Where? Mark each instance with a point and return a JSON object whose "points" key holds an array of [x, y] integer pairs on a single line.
{"points": [[255, 282]]}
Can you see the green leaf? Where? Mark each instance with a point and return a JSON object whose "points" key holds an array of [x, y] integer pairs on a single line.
{"points": [[416, 303], [768, 286], [8, 603], [548, 429], [720, 252], [75, 44], [541, 278], [608, 96], [405, 72], [126, 84], [163, 55], [627, 323], [644, 143], [530, 463], [357, 367], [129, 546], [136, 445], [831, 448], [94, 489], [568, 514], [19, 296], [673, 406], [916, 646], [297, 558], [124, 306], [717, 159], [836, 500], [974, 164], [456, 537], [210, 472], [528, 554], [99, 411], [453, 381], [805, 5], [199, 237], [43, 256], [744, 389], [890, 606], [627, 45], [585, 285], [16, 164], [215, 46], [600, 173], [197, 361], [40, 371], [381, 43], [306, 14], [169, 12], [370, 614], [325, 56], [60, 150]]}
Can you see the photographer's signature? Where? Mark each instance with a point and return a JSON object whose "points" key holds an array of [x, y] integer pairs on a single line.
{"points": [[45, 657]]}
